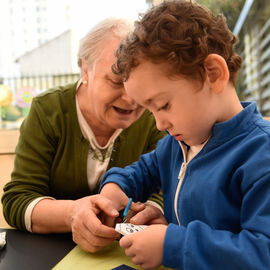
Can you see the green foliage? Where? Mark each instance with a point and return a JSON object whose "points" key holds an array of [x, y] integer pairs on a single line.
{"points": [[231, 9], [10, 113]]}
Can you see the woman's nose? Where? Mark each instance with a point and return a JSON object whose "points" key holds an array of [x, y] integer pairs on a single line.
{"points": [[127, 98]]}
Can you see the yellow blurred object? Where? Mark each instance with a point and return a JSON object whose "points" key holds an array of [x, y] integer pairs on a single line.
{"points": [[6, 95]]}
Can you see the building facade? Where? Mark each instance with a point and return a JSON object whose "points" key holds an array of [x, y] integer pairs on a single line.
{"points": [[27, 24], [254, 47]]}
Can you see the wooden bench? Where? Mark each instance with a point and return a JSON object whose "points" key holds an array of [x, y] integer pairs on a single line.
{"points": [[8, 141]]}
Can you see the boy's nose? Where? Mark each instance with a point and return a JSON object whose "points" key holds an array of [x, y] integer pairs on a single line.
{"points": [[162, 124]]}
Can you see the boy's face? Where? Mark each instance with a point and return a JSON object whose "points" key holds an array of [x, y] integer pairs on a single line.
{"points": [[180, 106]]}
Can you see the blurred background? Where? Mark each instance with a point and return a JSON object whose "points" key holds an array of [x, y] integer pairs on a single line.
{"points": [[39, 41]]}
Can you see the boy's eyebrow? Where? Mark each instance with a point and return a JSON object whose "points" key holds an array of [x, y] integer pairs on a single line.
{"points": [[150, 101]]}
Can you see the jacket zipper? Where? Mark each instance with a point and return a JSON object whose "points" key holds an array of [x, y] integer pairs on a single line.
{"points": [[181, 176]]}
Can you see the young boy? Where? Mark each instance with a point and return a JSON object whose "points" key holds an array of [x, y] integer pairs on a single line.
{"points": [[214, 169]]}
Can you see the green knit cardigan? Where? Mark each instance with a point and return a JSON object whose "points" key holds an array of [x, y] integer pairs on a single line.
{"points": [[51, 155]]}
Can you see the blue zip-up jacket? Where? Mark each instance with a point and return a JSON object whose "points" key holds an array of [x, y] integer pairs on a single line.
{"points": [[223, 204]]}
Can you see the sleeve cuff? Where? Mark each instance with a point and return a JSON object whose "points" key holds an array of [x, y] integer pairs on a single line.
{"points": [[156, 205], [29, 210]]}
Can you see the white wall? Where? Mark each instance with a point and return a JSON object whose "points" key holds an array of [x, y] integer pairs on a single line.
{"points": [[57, 56]]}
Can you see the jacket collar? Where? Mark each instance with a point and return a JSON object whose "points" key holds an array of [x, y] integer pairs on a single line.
{"points": [[240, 123]]}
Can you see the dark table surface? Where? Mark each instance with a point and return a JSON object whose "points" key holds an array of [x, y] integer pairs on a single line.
{"points": [[29, 251]]}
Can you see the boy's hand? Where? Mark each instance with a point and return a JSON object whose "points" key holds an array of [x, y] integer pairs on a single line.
{"points": [[119, 199], [141, 213], [145, 247], [113, 192]]}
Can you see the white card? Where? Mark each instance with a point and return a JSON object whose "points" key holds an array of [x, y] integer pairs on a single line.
{"points": [[128, 228]]}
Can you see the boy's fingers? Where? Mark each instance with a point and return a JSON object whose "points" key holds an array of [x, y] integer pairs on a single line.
{"points": [[125, 242]]}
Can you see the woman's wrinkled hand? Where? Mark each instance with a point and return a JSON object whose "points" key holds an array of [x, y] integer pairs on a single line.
{"points": [[149, 215], [88, 230]]}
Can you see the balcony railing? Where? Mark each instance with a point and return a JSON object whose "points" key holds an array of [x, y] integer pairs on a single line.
{"points": [[16, 94]]}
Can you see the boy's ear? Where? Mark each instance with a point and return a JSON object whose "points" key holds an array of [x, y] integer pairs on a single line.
{"points": [[217, 72]]}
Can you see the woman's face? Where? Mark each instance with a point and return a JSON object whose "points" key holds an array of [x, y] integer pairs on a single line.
{"points": [[108, 104]]}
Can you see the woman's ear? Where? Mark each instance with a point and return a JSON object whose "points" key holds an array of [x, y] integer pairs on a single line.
{"points": [[84, 69], [217, 72]]}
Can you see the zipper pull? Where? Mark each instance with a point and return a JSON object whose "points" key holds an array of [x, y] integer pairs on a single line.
{"points": [[182, 170]]}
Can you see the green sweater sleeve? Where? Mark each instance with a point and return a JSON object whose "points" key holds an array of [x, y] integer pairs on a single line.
{"points": [[30, 177], [50, 157]]}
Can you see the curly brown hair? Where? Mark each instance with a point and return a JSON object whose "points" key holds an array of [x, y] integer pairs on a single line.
{"points": [[180, 34]]}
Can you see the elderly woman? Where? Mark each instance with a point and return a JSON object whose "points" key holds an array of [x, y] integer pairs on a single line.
{"points": [[72, 135]]}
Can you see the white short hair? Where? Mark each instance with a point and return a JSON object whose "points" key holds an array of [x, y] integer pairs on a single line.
{"points": [[92, 44]]}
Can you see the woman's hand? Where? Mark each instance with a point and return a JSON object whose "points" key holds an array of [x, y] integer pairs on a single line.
{"points": [[145, 247], [150, 215], [86, 226]]}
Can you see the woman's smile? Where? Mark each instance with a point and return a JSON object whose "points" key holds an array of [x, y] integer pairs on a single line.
{"points": [[123, 111]]}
